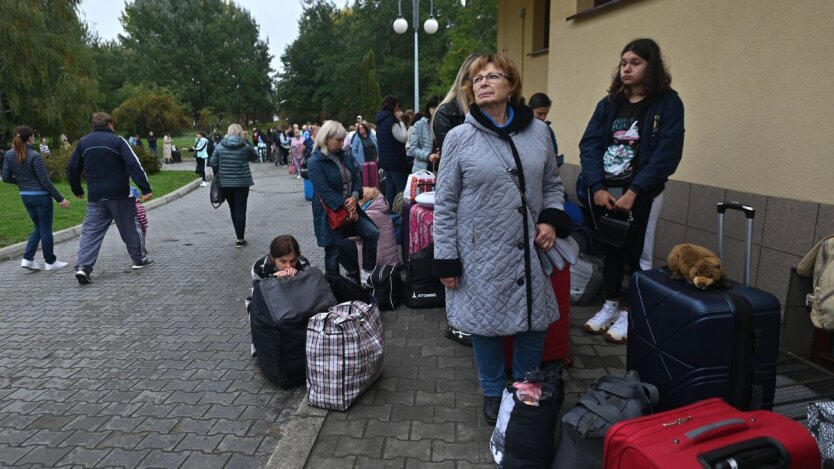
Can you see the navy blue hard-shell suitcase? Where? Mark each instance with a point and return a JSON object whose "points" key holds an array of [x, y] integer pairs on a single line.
{"points": [[695, 344]]}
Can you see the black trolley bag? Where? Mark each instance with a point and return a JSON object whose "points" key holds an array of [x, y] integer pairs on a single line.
{"points": [[695, 344]]}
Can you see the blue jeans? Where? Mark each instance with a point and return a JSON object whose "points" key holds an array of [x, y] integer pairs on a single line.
{"points": [[528, 348], [365, 229], [40, 211]]}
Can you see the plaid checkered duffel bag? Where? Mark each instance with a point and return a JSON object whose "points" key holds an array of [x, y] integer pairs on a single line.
{"points": [[344, 354]]}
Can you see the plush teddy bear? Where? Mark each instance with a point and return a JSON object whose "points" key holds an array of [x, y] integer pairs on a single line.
{"points": [[696, 264]]}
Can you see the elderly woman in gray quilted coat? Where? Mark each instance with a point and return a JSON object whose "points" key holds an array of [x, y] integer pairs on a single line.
{"points": [[498, 197]]}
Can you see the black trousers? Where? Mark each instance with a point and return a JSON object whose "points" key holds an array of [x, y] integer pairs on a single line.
{"points": [[237, 198], [201, 167], [616, 259]]}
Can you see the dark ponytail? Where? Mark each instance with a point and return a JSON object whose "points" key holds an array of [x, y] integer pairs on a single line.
{"points": [[22, 133]]}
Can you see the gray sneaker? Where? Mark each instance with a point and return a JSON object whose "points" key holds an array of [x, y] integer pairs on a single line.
{"points": [[143, 263]]}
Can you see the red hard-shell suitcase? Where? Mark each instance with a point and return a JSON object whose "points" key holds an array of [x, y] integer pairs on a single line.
{"points": [[370, 174], [420, 221], [710, 434], [556, 342]]}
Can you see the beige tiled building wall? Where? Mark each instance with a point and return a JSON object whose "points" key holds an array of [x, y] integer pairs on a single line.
{"points": [[755, 79]]}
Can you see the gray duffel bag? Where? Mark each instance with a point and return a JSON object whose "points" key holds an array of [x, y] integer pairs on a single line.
{"points": [[610, 399]]}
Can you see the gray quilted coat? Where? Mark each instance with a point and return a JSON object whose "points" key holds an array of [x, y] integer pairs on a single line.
{"points": [[478, 222]]}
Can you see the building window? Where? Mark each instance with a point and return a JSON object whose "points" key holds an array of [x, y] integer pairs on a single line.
{"points": [[588, 7], [541, 26]]}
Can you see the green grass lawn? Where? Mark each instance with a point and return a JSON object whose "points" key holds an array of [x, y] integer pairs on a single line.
{"points": [[15, 224]]}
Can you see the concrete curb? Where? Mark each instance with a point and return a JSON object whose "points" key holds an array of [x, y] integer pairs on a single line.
{"points": [[16, 250], [298, 438]]}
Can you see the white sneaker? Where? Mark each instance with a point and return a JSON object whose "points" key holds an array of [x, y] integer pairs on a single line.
{"points": [[603, 319], [55, 265], [618, 333], [203, 184], [298, 177], [31, 265]]}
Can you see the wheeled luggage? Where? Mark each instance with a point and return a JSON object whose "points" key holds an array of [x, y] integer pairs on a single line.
{"points": [[370, 174], [695, 344], [710, 434], [420, 223], [308, 190], [405, 235], [556, 342]]}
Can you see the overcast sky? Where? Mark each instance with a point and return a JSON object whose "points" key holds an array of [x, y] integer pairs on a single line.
{"points": [[277, 20]]}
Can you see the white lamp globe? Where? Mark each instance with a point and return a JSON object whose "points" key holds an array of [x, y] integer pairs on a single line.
{"points": [[430, 26], [400, 25]]}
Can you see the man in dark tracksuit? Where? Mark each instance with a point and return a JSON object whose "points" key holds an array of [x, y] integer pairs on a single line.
{"points": [[109, 164]]}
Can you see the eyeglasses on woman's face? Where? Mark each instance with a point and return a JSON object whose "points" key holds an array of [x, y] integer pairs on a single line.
{"points": [[488, 78]]}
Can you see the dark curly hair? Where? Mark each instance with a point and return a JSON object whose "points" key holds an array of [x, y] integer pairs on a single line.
{"points": [[658, 79]]}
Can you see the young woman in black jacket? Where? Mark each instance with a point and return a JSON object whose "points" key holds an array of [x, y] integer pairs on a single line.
{"points": [[633, 143]]}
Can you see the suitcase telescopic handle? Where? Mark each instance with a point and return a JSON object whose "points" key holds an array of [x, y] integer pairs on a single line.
{"points": [[749, 213], [715, 429]]}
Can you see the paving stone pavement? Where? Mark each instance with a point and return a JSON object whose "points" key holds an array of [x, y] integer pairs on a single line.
{"points": [[148, 368], [425, 411], [151, 368]]}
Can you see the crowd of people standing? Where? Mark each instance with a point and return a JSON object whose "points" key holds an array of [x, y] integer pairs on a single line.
{"points": [[495, 157]]}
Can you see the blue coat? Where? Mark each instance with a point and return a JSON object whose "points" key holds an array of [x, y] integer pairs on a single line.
{"points": [[30, 177], [327, 188], [660, 150], [358, 149], [108, 162]]}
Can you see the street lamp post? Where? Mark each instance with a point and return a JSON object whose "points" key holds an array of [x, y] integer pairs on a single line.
{"points": [[401, 26]]}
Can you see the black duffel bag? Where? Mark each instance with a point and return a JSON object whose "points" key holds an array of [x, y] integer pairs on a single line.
{"points": [[278, 315]]}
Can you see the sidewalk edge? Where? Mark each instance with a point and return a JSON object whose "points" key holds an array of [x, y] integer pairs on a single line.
{"points": [[298, 438], [16, 250]]}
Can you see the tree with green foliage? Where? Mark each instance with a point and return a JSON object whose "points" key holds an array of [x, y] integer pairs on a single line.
{"points": [[370, 95], [207, 52], [151, 109], [47, 77], [320, 81]]}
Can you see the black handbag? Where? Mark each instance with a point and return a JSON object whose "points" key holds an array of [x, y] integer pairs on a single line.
{"points": [[613, 231], [216, 193]]}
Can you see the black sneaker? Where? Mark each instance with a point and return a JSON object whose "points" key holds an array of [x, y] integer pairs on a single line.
{"points": [[459, 336], [83, 277], [240, 243], [143, 263]]}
